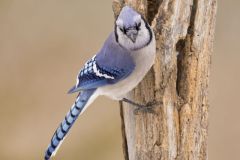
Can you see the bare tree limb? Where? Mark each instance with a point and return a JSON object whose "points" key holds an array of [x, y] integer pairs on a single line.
{"points": [[178, 126]]}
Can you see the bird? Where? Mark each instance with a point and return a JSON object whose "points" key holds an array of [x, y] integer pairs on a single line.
{"points": [[123, 61]]}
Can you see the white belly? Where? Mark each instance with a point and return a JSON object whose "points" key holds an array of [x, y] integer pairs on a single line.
{"points": [[144, 60]]}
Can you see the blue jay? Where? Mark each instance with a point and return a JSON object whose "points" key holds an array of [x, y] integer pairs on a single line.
{"points": [[125, 58]]}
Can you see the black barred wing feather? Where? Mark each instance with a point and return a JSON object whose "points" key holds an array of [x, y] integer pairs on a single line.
{"points": [[93, 76]]}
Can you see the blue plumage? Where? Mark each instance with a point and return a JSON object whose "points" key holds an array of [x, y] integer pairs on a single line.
{"points": [[130, 14], [98, 71], [115, 58], [125, 58], [68, 121], [106, 67]]}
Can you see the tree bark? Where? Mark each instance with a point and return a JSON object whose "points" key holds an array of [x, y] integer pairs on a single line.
{"points": [[177, 126]]}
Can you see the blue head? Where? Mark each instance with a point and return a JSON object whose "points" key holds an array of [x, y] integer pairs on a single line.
{"points": [[131, 30]]}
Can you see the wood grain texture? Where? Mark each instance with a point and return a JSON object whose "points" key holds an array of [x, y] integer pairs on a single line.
{"points": [[177, 127]]}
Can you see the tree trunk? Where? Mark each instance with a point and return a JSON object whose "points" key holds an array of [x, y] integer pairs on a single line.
{"points": [[177, 126]]}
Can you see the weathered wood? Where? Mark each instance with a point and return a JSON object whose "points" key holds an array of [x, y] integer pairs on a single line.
{"points": [[178, 126]]}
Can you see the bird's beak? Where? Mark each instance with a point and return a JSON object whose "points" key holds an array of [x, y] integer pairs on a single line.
{"points": [[132, 34]]}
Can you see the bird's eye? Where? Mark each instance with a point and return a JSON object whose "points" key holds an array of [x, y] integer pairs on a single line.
{"points": [[123, 29], [138, 25]]}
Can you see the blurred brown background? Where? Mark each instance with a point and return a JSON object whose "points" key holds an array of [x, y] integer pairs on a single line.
{"points": [[43, 44]]}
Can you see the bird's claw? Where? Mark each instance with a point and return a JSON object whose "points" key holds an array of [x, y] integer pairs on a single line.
{"points": [[148, 108]]}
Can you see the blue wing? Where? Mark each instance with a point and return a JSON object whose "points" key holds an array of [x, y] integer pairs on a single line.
{"points": [[112, 64]]}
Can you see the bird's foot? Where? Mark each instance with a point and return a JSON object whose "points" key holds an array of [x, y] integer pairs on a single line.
{"points": [[148, 108], [132, 103]]}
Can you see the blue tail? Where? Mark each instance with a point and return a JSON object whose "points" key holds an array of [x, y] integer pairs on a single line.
{"points": [[67, 123]]}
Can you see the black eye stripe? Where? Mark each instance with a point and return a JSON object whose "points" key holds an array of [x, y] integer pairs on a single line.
{"points": [[138, 25], [124, 30]]}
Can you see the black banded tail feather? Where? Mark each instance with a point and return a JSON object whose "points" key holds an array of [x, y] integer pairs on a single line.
{"points": [[70, 118]]}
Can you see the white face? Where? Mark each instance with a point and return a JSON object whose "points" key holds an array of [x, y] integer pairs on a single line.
{"points": [[142, 38]]}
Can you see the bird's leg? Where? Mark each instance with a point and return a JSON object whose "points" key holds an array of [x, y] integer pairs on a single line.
{"points": [[145, 108], [132, 103], [148, 108]]}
